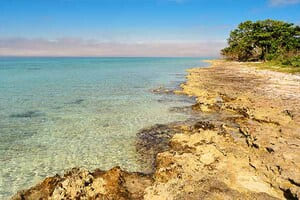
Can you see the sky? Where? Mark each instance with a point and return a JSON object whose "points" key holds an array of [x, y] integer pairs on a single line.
{"points": [[129, 27]]}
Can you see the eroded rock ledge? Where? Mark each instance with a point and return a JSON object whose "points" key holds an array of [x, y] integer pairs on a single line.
{"points": [[245, 144], [82, 184]]}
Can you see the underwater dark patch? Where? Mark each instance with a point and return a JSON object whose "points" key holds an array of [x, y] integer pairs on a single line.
{"points": [[77, 101], [27, 114], [33, 68]]}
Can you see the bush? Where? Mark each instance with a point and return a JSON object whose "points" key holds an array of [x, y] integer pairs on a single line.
{"points": [[292, 61]]}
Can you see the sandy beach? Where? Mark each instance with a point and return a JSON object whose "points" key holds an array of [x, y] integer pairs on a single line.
{"points": [[243, 142]]}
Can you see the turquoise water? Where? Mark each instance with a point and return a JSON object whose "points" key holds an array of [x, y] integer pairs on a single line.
{"points": [[59, 113]]}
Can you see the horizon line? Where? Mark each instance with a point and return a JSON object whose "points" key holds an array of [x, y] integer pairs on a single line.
{"points": [[50, 56]]}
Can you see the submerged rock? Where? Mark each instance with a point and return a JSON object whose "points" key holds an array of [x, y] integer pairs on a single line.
{"points": [[153, 140], [27, 114], [162, 90], [77, 101]]}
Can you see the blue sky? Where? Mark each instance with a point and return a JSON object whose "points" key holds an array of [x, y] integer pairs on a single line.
{"points": [[146, 27]]}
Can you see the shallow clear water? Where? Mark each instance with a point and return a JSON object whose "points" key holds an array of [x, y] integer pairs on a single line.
{"points": [[59, 113]]}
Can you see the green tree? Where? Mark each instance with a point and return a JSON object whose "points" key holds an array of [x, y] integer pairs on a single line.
{"points": [[263, 40]]}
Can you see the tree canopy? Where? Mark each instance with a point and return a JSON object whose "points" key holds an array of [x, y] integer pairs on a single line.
{"points": [[264, 40]]}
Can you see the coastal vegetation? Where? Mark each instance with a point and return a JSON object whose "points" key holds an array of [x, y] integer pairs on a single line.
{"points": [[276, 43]]}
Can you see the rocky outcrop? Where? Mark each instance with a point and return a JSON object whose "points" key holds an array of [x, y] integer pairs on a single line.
{"points": [[162, 90], [259, 112], [82, 184], [243, 143]]}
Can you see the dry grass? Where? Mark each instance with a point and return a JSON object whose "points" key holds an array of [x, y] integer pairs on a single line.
{"points": [[275, 67]]}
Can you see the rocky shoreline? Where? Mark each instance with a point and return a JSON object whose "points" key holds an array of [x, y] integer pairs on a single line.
{"points": [[244, 143]]}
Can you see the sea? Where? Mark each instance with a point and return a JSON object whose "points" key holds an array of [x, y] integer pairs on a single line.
{"points": [[60, 113]]}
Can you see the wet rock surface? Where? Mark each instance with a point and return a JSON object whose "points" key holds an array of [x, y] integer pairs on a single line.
{"points": [[153, 140], [243, 144], [162, 90]]}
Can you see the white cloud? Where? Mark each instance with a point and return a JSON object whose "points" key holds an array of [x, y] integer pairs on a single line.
{"points": [[283, 2], [80, 47]]}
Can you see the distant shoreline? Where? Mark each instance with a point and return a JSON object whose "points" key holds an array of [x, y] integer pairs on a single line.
{"points": [[212, 57]]}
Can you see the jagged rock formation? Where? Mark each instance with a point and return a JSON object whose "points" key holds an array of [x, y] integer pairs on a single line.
{"points": [[259, 111], [82, 184], [244, 143]]}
